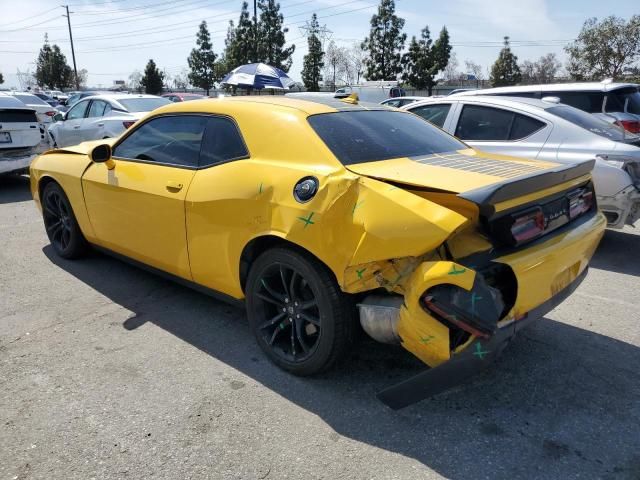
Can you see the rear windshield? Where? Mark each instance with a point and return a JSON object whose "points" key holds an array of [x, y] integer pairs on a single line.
{"points": [[624, 100], [373, 135], [591, 123], [30, 99], [143, 104], [15, 115]]}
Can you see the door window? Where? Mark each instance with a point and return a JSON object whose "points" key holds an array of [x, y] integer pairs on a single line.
{"points": [[171, 140], [494, 124], [436, 114], [222, 142], [97, 108], [77, 111]]}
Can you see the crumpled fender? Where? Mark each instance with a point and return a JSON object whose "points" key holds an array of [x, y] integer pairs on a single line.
{"points": [[82, 148], [421, 334]]}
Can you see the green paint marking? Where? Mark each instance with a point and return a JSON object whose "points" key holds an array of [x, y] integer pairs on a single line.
{"points": [[307, 220], [260, 190], [281, 326], [426, 340], [360, 272], [455, 271], [479, 352], [356, 206], [474, 298]]}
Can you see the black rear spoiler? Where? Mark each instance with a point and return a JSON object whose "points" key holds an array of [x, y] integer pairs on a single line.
{"points": [[487, 197]]}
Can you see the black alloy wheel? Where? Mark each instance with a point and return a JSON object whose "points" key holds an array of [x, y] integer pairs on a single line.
{"points": [[60, 223], [297, 312]]}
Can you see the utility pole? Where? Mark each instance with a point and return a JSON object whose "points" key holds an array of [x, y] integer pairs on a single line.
{"points": [[255, 31], [73, 53]]}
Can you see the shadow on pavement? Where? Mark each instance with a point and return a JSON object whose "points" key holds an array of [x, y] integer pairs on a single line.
{"points": [[14, 188], [563, 399], [618, 252]]}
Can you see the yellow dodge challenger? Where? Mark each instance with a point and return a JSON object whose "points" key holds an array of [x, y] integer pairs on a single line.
{"points": [[324, 214]]}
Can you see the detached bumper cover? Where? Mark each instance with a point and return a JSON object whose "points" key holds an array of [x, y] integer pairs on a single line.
{"points": [[11, 164], [479, 355]]}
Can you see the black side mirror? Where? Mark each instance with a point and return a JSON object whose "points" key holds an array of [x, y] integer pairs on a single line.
{"points": [[58, 117], [102, 154]]}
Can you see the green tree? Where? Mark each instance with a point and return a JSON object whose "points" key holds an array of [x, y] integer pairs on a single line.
{"points": [[52, 70], [604, 49], [385, 43], [239, 44], [312, 66], [152, 79], [1, 78], [544, 70], [425, 59], [270, 39], [505, 70], [202, 61]]}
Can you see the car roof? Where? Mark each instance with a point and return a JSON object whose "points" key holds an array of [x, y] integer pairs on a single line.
{"points": [[553, 87], [408, 97], [7, 101], [505, 101], [311, 105]]}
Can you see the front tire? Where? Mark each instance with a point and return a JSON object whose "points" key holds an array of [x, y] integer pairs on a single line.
{"points": [[61, 224], [299, 316]]}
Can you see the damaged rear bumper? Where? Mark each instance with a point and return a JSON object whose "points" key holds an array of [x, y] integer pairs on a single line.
{"points": [[478, 355], [623, 208], [431, 318]]}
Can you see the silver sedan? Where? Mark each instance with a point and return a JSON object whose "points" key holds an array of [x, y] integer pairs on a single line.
{"points": [[547, 130]]}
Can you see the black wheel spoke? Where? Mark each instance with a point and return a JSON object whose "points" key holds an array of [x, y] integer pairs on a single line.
{"points": [[276, 331], [273, 321], [310, 319], [284, 282], [270, 299], [309, 304], [272, 292], [300, 336], [292, 285], [54, 228]]}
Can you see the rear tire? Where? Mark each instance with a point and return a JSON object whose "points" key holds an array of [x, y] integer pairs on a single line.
{"points": [[299, 316], [60, 223]]}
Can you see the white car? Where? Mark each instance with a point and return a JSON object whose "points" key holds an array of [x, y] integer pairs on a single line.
{"points": [[19, 135], [101, 116], [401, 101], [551, 131], [44, 111]]}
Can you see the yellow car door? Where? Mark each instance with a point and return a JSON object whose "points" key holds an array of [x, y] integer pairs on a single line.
{"points": [[137, 208]]}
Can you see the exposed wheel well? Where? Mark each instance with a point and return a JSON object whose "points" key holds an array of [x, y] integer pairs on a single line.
{"points": [[257, 246], [44, 181]]}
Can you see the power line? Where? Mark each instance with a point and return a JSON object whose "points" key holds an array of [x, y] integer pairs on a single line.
{"points": [[30, 17]]}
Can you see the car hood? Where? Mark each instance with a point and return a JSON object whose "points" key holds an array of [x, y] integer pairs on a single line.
{"points": [[83, 148], [455, 172]]}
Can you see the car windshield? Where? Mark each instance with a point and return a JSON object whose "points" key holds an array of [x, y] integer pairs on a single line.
{"points": [[374, 135], [28, 99], [143, 104], [591, 123], [624, 100]]}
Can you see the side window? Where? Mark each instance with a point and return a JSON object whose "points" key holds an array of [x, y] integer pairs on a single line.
{"points": [[222, 142], [97, 108], [588, 101], [524, 126], [393, 103], [172, 140], [107, 109], [77, 111], [484, 123], [436, 114]]}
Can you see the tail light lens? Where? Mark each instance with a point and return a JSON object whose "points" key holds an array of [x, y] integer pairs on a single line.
{"points": [[528, 225], [632, 126], [128, 123], [50, 114], [580, 201]]}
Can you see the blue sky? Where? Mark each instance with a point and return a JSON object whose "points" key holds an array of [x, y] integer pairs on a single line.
{"points": [[132, 31]]}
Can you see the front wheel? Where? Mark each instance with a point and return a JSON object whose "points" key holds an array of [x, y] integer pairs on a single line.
{"points": [[61, 224], [298, 314]]}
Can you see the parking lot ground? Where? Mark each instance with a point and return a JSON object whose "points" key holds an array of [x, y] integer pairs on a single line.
{"points": [[110, 372]]}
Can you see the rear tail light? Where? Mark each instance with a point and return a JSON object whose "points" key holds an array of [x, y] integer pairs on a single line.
{"points": [[128, 123], [580, 201], [632, 126], [50, 114], [528, 225]]}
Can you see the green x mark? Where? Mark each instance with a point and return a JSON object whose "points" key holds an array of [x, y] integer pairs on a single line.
{"points": [[455, 271], [307, 220], [426, 340], [360, 272], [260, 189], [479, 352]]}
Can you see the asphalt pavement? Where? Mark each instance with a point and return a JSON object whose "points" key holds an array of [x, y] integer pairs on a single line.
{"points": [[110, 372]]}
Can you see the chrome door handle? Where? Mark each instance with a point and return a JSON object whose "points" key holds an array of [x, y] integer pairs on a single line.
{"points": [[174, 186]]}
